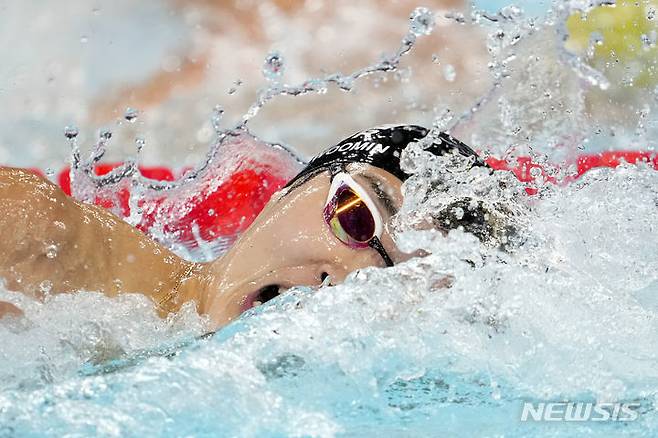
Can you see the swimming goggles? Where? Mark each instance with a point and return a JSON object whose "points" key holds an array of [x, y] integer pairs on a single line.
{"points": [[352, 216]]}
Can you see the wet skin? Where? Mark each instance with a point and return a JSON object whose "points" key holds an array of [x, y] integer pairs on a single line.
{"points": [[288, 244]]}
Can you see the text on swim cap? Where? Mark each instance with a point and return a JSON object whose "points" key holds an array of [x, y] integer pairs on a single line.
{"points": [[370, 147]]}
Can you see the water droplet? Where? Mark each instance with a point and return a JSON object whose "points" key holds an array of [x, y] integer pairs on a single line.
{"points": [[596, 38], [46, 286], [449, 72], [421, 21], [435, 59], [216, 119], [51, 251], [458, 213], [105, 134], [274, 66], [651, 13], [511, 12], [235, 86], [458, 17], [71, 132], [211, 212], [50, 172], [131, 115], [317, 85], [139, 142], [442, 118], [84, 39], [407, 43], [649, 40], [345, 83]]}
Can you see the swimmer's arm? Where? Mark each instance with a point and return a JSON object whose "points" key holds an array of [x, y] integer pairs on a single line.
{"points": [[50, 241]]}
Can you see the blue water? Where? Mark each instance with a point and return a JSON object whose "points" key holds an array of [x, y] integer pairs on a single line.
{"points": [[531, 7]]}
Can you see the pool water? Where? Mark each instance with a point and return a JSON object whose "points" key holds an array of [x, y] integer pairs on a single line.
{"points": [[568, 311], [571, 315]]}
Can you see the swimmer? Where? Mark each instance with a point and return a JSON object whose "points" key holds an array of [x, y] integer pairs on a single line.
{"points": [[328, 221]]}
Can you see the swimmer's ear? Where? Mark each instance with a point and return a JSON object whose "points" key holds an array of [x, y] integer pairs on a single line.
{"points": [[489, 222]]}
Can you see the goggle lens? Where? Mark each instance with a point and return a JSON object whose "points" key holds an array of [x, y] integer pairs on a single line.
{"points": [[350, 218]]}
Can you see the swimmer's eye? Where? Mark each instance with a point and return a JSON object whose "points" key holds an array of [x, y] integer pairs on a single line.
{"points": [[351, 214]]}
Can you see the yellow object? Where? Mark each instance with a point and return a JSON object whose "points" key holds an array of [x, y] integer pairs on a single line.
{"points": [[619, 40]]}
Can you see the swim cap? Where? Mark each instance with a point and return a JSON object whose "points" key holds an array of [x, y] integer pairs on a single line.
{"points": [[381, 147]]}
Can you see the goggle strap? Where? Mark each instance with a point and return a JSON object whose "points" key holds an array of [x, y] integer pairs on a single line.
{"points": [[376, 244]]}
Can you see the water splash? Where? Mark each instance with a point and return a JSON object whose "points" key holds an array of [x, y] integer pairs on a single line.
{"points": [[452, 342], [469, 328], [71, 132], [88, 186], [421, 23]]}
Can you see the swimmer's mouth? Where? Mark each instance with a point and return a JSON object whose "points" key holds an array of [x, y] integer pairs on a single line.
{"points": [[264, 294]]}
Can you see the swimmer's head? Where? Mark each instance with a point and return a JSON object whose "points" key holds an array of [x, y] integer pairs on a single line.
{"points": [[328, 221], [381, 147]]}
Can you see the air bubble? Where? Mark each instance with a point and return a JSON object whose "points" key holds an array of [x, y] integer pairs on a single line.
{"points": [[421, 21]]}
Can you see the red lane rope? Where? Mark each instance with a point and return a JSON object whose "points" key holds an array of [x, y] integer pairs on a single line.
{"points": [[231, 206]]}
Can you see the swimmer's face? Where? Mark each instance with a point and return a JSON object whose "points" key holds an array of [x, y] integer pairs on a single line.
{"points": [[290, 244]]}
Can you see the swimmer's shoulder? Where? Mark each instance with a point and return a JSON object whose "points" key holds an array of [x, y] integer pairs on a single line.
{"points": [[16, 183]]}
